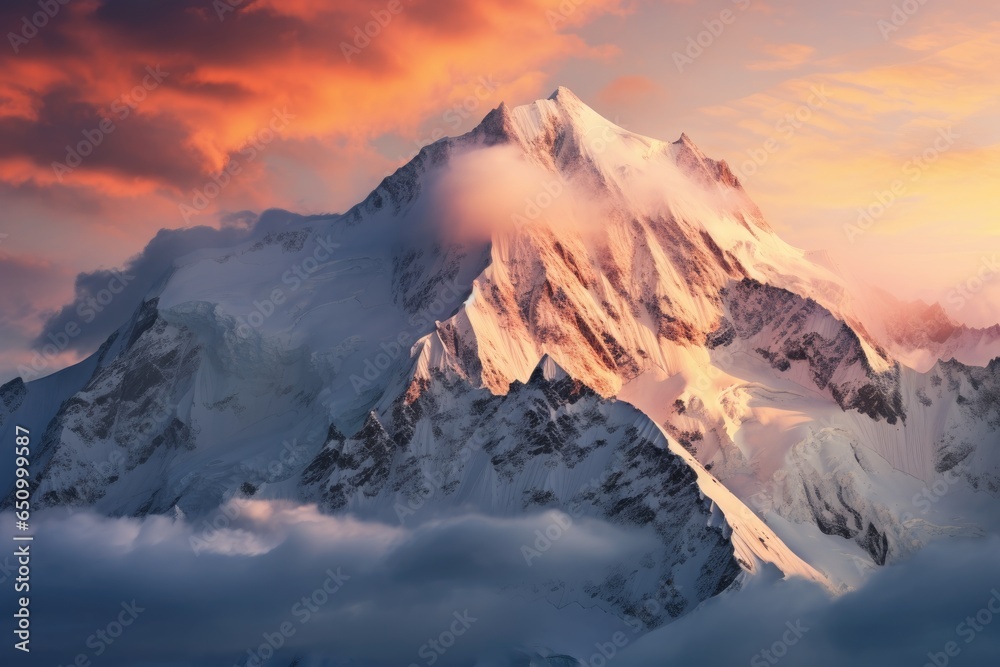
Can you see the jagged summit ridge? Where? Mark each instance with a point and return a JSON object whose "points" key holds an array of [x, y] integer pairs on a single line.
{"points": [[563, 135]]}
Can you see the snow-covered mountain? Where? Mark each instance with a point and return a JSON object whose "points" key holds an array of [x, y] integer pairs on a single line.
{"points": [[919, 334], [547, 313]]}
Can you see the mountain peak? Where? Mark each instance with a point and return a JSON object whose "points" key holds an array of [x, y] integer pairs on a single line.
{"points": [[549, 369], [565, 96], [685, 140], [496, 127], [561, 114]]}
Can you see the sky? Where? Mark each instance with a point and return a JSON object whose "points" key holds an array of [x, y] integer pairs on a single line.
{"points": [[865, 129]]}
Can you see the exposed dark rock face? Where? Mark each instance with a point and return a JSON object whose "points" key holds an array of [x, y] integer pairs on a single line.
{"points": [[11, 396], [790, 329], [876, 544], [547, 444]]}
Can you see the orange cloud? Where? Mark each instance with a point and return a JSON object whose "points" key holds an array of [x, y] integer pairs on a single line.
{"points": [[346, 72]]}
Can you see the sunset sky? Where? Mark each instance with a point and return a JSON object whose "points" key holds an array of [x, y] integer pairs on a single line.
{"points": [[821, 108]]}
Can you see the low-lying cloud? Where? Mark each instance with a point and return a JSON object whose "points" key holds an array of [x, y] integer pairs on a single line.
{"points": [[925, 611], [284, 579], [356, 592]]}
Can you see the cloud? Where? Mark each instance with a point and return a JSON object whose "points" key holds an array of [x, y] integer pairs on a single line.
{"points": [[350, 589], [233, 67], [487, 191], [105, 299], [150, 147], [398, 587], [905, 612], [23, 310]]}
